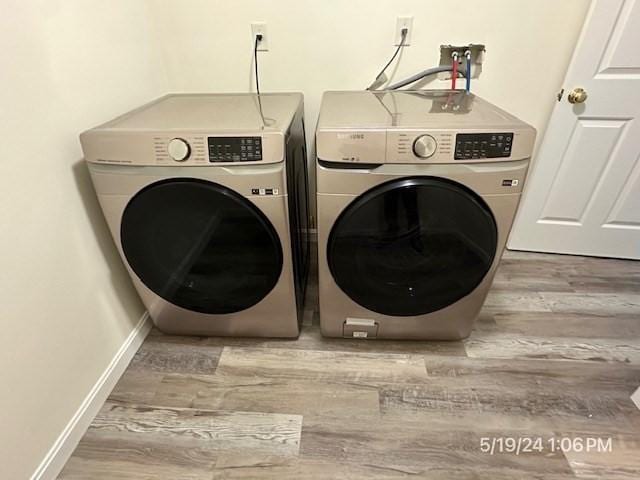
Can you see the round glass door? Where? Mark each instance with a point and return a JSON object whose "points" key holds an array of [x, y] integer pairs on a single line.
{"points": [[412, 246], [201, 246]]}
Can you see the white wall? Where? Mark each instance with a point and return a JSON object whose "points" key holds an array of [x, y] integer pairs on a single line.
{"points": [[341, 45], [67, 304]]}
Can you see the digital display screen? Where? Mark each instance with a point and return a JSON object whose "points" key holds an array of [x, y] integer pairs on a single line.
{"points": [[483, 145], [234, 149]]}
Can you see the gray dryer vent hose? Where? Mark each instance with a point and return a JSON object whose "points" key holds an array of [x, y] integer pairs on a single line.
{"points": [[419, 76]]}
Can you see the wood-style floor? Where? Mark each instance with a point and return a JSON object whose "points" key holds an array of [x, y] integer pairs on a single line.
{"points": [[555, 354]]}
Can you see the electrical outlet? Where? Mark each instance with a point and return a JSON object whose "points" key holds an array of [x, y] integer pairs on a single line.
{"points": [[403, 22], [260, 28]]}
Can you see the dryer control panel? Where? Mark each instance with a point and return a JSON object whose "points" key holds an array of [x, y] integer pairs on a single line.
{"points": [[184, 148]]}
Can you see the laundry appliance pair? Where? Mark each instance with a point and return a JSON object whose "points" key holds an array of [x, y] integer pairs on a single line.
{"points": [[206, 197]]}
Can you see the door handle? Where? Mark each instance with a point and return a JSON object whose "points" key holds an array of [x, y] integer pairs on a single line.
{"points": [[577, 95]]}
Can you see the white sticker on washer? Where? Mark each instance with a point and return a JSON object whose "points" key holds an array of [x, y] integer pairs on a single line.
{"points": [[510, 182], [264, 191]]}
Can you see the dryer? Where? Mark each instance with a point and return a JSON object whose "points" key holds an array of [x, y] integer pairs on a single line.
{"points": [[206, 198], [417, 192]]}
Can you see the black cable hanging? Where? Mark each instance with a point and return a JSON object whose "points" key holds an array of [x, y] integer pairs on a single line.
{"points": [[255, 62], [379, 78]]}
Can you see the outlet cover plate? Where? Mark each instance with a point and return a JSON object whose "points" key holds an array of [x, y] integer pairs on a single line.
{"points": [[260, 28], [403, 22]]}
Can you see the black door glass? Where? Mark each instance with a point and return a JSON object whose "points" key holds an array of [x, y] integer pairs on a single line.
{"points": [[297, 181], [201, 246], [412, 246]]}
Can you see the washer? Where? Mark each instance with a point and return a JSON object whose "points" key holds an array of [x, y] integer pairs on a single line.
{"points": [[206, 199], [417, 191]]}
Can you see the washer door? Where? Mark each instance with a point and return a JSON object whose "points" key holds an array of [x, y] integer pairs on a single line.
{"points": [[412, 246], [201, 246]]}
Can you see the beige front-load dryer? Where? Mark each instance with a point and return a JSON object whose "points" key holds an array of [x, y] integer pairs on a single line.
{"points": [[417, 191], [206, 199]]}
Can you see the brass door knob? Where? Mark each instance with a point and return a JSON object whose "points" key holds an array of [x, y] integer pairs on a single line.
{"points": [[577, 95]]}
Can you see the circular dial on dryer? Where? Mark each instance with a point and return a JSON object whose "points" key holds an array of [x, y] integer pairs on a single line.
{"points": [[179, 149], [425, 146]]}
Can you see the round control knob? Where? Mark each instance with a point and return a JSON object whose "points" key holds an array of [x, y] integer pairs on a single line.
{"points": [[179, 149], [424, 146]]}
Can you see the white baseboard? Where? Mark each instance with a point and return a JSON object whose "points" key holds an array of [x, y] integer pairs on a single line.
{"points": [[66, 443]]}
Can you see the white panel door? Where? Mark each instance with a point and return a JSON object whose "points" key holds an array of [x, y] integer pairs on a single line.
{"points": [[583, 194]]}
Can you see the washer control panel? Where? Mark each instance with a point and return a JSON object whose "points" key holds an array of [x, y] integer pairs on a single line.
{"points": [[234, 149], [424, 146], [483, 145]]}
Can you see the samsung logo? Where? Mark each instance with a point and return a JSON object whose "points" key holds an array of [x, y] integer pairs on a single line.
{"points": [[351, 136]]}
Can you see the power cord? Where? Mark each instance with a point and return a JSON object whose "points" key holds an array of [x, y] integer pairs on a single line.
{"points": [[255, 61], [266, 121], [379, 78]]}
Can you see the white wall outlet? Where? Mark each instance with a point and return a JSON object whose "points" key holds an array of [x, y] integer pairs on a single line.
{"points": [[260, 28], [403, 22]]}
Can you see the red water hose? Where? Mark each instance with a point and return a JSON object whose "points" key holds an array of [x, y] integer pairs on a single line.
{"points": [[454, 71]]}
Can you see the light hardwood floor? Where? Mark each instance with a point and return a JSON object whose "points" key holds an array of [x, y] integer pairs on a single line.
{"points": [[555, 354]]}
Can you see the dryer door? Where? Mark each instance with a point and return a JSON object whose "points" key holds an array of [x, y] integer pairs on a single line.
{"points": [[201, 246], [412, 246]]}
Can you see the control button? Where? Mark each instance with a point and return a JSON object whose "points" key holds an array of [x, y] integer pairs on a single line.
{"points": [[179, 149], [425, 146]]}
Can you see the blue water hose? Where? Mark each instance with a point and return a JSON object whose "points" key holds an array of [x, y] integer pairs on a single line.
{"points": [[468, 73]]}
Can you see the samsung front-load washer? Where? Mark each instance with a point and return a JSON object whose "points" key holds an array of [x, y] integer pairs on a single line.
{"points": [[206, 199], [417, 191]]}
